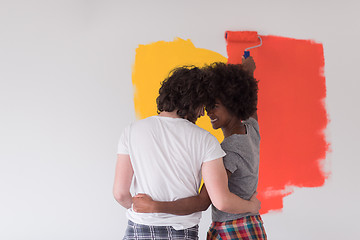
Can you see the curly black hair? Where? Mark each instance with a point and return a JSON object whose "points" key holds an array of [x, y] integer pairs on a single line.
{"points": [[234, 87], [183, 90]]}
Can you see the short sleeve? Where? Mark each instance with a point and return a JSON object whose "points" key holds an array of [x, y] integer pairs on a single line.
{"points": [[231, 161], [213, 149], [123, 146]]}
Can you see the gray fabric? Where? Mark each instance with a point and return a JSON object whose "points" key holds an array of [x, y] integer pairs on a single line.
{"points": [[242, 160]]}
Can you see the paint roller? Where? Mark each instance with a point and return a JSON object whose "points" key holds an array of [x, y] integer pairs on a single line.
{"points": [[245, 37]]}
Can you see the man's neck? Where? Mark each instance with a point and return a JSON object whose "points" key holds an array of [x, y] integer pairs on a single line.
{"points": [[172, 114]]}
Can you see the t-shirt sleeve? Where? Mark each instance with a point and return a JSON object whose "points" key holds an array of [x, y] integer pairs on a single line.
{"points": [[123, 146], [213, 149], [231, 161]]}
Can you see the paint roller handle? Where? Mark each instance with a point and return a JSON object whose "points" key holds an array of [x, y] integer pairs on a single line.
{"points": [[246, 54]]}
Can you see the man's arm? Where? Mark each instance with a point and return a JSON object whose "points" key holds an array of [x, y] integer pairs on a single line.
{"points": [[184, 206], [216, 180], [123, 177]]}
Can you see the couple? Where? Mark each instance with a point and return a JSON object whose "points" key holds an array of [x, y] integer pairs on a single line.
{"points": [[165, 157]]}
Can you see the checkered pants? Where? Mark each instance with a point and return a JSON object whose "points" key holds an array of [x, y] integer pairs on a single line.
{"points": [[249, 228], [136, 231]]}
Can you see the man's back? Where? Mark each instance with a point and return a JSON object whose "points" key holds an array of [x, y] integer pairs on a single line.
{"points": [[166, 155]]}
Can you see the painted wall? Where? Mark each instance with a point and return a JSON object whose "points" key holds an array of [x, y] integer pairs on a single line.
{"points": [[66, 94]]}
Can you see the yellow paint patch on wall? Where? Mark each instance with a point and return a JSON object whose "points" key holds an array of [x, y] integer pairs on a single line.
{"points": [[154, 61]]}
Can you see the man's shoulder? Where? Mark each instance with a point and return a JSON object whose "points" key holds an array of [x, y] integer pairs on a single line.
{"points": [[201, 131], [146, 120]]}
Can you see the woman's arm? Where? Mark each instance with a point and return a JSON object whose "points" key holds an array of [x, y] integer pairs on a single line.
{"points": [[145, 204], [184, 206], [216, 180], [250, 66], [123, 177]]}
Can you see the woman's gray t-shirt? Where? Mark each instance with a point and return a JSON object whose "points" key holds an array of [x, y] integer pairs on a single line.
{"points": [[242, 160]]}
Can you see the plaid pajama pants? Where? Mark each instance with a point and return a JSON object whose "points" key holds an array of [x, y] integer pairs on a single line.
{"points": [[249, 228], [136, 231]]}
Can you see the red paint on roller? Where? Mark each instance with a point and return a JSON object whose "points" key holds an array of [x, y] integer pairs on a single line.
{"points": [[243, 36], [291, 111]]}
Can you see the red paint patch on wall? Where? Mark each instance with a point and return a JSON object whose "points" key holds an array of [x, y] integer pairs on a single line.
{"points": [[292, 114]]}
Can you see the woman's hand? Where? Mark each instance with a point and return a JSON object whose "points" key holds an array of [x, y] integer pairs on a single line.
{"points": [[249, 65], [143, 203]]}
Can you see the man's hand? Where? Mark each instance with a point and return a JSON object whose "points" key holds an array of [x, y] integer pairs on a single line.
{"points": [[256, 202], [249, 65], [143, 203]]}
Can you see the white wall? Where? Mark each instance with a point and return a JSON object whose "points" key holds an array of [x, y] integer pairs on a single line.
{"points": [[66, 95]]}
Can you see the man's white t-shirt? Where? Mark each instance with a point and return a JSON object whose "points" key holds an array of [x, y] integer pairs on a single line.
{"points": [[166, 155]]}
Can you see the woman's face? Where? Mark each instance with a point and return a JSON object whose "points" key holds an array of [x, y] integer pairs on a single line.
{"points": [[219, 116]]}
